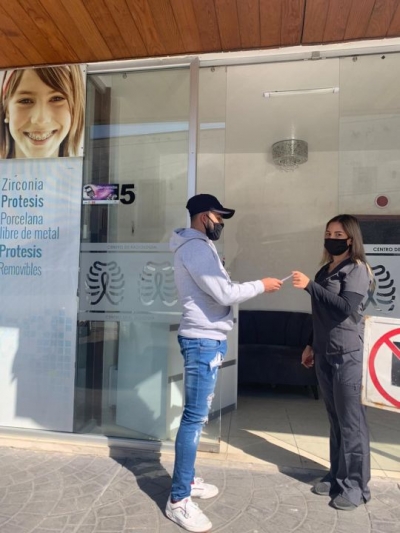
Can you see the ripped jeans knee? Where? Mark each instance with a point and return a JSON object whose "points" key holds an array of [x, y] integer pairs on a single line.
{"points": [[202, 359]]}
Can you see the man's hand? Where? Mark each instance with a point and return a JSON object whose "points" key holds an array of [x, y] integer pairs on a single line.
{"points": [[307, 357], [300, 280], [271, 284]]}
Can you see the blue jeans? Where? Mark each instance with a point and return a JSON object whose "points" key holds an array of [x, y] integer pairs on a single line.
{"points": [[202, 357]]}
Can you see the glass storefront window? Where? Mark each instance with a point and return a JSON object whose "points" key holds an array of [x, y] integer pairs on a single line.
{"points": [[128, 378], [369, 132], [129, 373], [129, 369], [369, 170]]}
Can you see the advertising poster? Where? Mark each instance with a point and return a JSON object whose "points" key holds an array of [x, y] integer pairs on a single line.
{"points": [[384, 298], [41, 144], [107, 193], [42, 112], [39, 254]]}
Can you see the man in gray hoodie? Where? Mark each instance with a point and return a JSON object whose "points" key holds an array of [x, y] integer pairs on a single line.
{"points": [[206, 294]]}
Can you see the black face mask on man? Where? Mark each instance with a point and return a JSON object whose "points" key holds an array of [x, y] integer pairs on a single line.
{"points": [[215, 233], [336, 246]]}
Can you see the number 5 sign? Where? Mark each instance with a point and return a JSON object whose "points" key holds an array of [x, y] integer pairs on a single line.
{"points": [[381, 368]]}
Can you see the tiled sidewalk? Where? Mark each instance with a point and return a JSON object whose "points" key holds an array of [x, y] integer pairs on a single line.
{"points": [[45, 492]]}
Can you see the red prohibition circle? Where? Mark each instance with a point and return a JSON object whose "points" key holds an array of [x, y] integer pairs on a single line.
{"points": [[385, 339], [381, 201]]}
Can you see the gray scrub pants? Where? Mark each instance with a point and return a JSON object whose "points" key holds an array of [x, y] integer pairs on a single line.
{"points": [[339, 378]]}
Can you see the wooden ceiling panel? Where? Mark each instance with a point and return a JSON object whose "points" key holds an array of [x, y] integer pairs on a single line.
{"points": [[394, 28], [11, 54], [336, 21], [37, 32], [125, 23], [249, 23], [292, 22], [12, 40], [228, 23], [381, 18], [142, 15], [187, 24], [315, 20], [28, 30], [45, 25], [207, 23], [165, 23], [65, 21], [270, 23], [111, 32], [359, 16]]}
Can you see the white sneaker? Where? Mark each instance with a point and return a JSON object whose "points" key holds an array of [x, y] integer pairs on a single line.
{"points": [[202, 490], [188, 515]]}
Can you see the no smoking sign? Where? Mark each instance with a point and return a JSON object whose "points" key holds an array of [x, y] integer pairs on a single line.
{"points": [[381, 376]]}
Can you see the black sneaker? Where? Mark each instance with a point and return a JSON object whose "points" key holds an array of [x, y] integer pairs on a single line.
{"points": [[322, 488], [342, 504]]}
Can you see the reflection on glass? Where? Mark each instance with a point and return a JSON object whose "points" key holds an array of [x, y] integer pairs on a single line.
{"points": [[129, 380], [369, 175], [369, 132]]}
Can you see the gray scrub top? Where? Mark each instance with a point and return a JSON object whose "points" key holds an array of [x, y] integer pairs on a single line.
{"points": [[335, 332]]}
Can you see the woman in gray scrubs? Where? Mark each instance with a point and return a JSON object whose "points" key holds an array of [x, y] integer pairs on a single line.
{"points": [[337, 292]]}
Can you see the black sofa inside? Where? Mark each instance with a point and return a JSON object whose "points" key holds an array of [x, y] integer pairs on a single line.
{"points": [[270, 348]]}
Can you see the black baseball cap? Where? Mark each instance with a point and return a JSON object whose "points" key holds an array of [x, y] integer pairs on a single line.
{"points": [[207, 202]]}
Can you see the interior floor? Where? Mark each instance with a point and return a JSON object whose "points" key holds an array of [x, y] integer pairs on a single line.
{"points": [[286, 426]]}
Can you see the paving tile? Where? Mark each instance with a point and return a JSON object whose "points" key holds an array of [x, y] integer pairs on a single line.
{"points": [[11, 527], [56, 523], [100, 495]]}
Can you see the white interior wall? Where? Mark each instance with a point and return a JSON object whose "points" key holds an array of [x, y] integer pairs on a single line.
{"points": [[212, 120], [354, 156], [278, 226], [149, 148], [157, 165], [369, 134], [280, 216]]}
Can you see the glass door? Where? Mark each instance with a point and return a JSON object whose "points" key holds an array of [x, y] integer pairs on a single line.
{"points": [[129, 377]]}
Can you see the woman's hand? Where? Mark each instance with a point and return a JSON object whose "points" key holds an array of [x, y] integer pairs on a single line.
{"points": [[300, 280], [307, 357]]}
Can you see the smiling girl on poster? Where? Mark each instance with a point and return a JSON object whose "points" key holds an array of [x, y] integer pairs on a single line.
{"points": [[42, 112]]}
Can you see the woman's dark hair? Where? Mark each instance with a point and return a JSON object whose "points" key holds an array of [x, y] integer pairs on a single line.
{"points": [[352, 229]]}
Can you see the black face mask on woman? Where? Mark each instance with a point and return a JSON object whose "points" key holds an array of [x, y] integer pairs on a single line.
{"points": [[215, 233], [336, 246]]}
